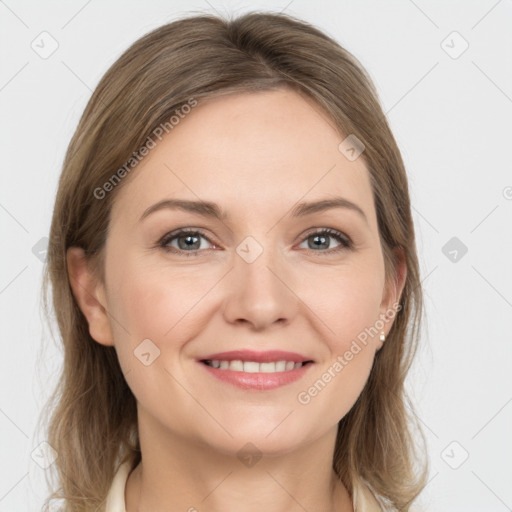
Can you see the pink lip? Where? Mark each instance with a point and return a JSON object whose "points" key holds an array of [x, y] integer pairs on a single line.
{"points": [[260, 357], [257, 381]]}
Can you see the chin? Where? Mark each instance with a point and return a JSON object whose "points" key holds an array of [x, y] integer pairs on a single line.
{"points": [[255, 445]]}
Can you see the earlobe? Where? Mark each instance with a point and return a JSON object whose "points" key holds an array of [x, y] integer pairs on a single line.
{"points": [[90, 295]]}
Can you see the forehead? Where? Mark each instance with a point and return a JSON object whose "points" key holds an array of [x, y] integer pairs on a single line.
{"points": [[265, 150]]}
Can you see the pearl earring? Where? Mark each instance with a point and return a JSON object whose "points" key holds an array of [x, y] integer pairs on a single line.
{"points": [[382, 336]]}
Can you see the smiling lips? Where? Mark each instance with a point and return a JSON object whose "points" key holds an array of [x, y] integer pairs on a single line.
{"points": [[252, 370]]}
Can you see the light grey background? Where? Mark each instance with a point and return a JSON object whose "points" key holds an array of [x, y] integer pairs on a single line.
{"points": [[452, 117]]}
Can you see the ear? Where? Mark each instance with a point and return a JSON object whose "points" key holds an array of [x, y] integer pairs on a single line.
{"points": [[393, 291], [90, 295]]}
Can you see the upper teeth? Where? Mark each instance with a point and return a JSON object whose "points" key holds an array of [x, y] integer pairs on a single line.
{"points": [[254, 367]]}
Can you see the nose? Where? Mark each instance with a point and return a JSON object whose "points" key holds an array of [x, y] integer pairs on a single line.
{"points": [[261, 293]]}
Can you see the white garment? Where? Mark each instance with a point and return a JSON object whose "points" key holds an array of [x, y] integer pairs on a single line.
{"points": [[363, 499]]}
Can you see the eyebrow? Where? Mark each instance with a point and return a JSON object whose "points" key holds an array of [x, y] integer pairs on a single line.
{"points": [[213, 210]]}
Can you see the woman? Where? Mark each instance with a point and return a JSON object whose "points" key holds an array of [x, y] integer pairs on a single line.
{"points": [[234, 271]]}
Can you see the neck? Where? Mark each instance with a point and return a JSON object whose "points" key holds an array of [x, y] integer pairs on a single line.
{"points": [[141, 498], [190, 477]]}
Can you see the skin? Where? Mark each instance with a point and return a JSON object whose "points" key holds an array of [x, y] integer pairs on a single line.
{"points": [[256, 155]]}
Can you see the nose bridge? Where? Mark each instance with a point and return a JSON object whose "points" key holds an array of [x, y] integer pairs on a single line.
{"points": [[258, 288], [254, 261]]}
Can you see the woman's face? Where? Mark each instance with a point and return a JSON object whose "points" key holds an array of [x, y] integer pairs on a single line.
{"points": [[256, 273]]}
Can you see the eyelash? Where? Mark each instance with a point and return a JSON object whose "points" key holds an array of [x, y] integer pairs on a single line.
{"points": [[345, 241]]}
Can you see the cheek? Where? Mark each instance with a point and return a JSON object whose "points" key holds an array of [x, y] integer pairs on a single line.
{"points": [[151, 307], [350, 313], [348, 305], [158, 303], [346, 299], [151, 325]]}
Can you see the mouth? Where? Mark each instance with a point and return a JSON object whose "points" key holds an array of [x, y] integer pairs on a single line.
{"points": [[256, 371], [238, 365]]}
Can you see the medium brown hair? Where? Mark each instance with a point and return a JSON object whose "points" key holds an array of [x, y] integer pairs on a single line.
{"points": [[92, 412]]}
